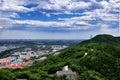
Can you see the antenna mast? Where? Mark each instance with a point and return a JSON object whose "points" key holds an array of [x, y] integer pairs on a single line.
{"points": [[119, 22], [90, 38]]}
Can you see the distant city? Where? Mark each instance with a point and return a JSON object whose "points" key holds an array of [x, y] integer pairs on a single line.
{"points": [[23, 53]]}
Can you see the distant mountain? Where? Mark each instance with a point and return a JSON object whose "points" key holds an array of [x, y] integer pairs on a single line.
{"points": [[39, 41], [94, 59]]}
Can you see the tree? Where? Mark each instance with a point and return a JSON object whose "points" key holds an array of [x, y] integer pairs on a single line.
{"points": [[91, 75], [6, 75]]}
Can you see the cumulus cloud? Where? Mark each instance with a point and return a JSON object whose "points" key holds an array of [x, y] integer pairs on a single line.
{"points": [[13, 5], [1, 27], [14, 15], [42, 23], [89, 13], [61, 6], [75, 23]]}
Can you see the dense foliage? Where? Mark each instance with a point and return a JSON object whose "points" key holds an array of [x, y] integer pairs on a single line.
{"points": [[6, 75], [101, 63]]}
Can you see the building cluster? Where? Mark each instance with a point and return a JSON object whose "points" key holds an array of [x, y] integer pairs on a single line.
{"points": [[58, 47], [28, 53], [27, 57], [21, 59], [13, 63]]}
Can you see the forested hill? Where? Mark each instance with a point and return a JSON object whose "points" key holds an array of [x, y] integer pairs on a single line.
{"points": [[102, 62], [109, 39]]}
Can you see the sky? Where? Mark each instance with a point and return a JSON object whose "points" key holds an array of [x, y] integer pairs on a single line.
{"points": [[58, 19]]}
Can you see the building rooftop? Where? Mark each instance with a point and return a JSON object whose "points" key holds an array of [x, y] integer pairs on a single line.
{"points": [[67, 72]]}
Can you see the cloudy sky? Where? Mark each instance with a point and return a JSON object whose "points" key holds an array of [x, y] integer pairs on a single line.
{"points": [[58, 19]]}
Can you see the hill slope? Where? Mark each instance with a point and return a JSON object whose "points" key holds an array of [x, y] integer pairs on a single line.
{"points": [[109, 39], [102, 61]]}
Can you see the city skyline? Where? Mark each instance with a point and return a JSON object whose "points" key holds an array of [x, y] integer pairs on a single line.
{"points": [[58, 19]]}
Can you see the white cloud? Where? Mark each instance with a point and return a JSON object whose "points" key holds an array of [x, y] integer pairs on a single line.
{"points": [[14, 15], [105, 28], [9, 8], [61, 6], [105, 4], [41, 23], [1, 27], [78, 5], [14, 5], [78, 28], [67, 24]]}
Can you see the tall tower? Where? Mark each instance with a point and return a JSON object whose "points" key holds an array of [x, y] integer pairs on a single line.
{"points": [[91, 38], [118, 22]]}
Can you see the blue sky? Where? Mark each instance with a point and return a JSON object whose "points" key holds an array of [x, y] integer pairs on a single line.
{"points": [[58, 19]]}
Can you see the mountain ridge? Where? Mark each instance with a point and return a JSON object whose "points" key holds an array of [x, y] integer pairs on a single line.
{"points": [[103, 38]]}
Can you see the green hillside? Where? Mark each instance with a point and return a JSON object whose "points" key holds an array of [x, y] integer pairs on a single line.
{"points": [[109, 39], [102, 61]]}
